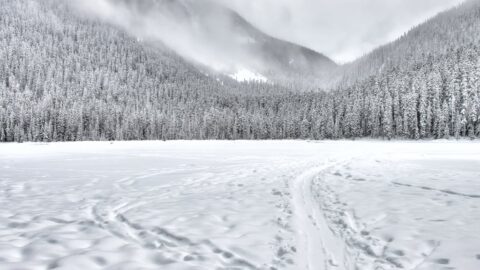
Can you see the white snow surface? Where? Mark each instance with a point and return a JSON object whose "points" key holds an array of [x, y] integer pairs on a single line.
{"points": [[245, 75], [240, 205]]}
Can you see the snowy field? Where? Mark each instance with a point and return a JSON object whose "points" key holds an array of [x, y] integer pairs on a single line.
{"points": [[240, 205]]}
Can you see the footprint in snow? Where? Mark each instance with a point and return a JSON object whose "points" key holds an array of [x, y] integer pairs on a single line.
{"points": [[399, 253], [442, 261]]}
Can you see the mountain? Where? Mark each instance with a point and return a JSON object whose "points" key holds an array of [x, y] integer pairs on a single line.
{"points": [[424, 85], [219, 38], [67, 77], [278, 57], [450, 30]]}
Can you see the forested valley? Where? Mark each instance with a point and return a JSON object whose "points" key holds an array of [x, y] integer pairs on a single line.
{"points": [[68, 78]]}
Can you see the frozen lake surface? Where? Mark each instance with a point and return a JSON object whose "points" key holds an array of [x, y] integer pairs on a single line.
{"points": [[240, 205]]}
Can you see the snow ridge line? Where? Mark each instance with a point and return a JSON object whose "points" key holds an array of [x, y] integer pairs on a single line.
{"points": [[318, 248]]}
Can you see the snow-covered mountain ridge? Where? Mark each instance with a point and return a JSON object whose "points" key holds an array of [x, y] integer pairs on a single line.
{"points": [[214, 36]]}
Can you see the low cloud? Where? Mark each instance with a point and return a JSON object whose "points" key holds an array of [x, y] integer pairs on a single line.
{"points": [[341, 29], [198, 32]]}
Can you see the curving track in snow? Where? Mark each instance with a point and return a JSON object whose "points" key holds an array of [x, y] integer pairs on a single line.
{"points": [[319, 248]]}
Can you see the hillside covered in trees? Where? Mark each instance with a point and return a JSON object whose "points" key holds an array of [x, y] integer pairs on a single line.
{"points": [[67, 78]]}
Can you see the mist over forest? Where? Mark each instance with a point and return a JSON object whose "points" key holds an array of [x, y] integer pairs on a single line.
{"points": [[184, 69]]}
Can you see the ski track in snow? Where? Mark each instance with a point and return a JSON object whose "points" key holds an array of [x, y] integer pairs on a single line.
{"points": [[319, 248], [240, 205]]}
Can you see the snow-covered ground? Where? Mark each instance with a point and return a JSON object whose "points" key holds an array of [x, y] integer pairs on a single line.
{"points": [[240, 205], [245, 75]]}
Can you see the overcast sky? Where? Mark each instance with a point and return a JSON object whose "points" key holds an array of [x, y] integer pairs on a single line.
{"points": [[342, 29]]}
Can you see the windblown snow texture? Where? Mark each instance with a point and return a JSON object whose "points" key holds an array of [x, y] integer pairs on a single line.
{"points": [[240, 205]]}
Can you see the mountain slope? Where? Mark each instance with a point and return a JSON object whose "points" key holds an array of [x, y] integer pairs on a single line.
{"points": [[425, 85], [449, 30], [278, 55], [63, 77], [216, 37]]}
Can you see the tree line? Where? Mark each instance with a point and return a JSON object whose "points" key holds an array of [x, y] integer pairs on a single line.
{"points": [[66, 78]]}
